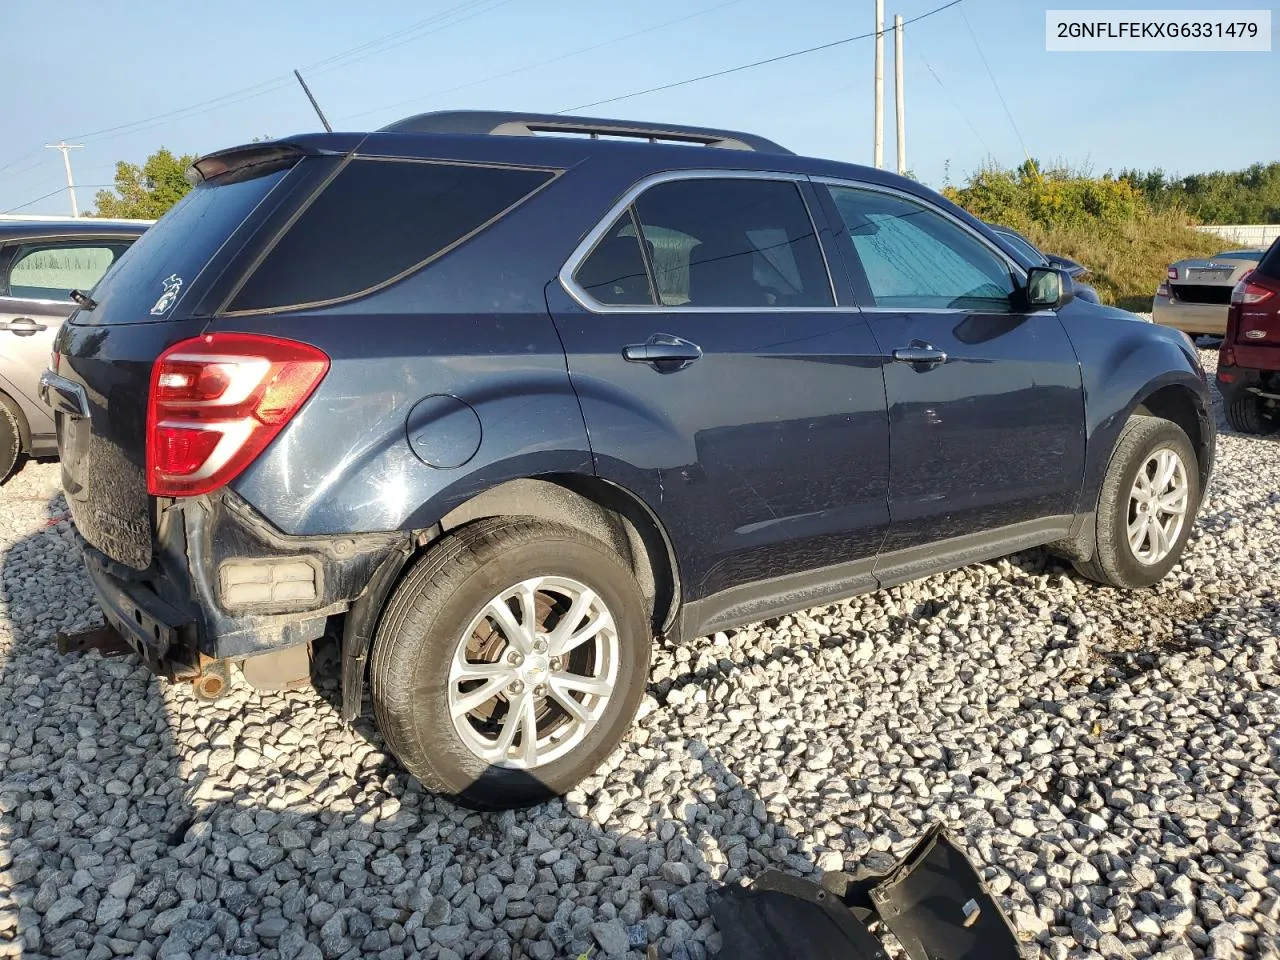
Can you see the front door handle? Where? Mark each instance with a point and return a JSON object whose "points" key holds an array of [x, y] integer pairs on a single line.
{"points": [[22, 326], [663, 351], [920, 354]]}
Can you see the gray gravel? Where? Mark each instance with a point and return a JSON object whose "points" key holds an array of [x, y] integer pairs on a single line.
{"points": [[1111, 760]]}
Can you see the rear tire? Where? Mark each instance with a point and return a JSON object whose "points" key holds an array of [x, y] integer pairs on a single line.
{"points": [[10, 441], [1139, 536], [479, 614], [1245, 414]]}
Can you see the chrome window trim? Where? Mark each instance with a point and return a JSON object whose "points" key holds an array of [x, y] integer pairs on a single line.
{"points": [[593, 237], [1042, 312], [1015, 267]]}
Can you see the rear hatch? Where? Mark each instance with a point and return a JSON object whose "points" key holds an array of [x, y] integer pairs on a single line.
{"points": [[162, 291]]}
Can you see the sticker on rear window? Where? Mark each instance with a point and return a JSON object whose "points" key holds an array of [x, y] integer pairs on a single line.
{"points": [[172, 285]]}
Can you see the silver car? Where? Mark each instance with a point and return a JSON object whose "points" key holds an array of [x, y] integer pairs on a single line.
{"points": [[1195, 297], [42, 259]]}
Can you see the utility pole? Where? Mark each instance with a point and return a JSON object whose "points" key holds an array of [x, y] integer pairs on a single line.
{"points": [[63, 146], [879, 111], [899, 96]]}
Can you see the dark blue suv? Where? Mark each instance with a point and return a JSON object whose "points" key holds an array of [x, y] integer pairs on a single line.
{"points": [[502, 397]]}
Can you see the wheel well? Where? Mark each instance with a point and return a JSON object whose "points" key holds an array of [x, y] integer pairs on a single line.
{"points": [[598, 508], [1178, 404], [24, 429]]}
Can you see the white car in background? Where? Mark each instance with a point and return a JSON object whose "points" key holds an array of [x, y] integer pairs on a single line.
{"points": [[1195, 296]]}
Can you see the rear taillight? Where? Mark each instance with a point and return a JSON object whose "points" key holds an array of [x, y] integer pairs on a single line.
{"points": [[216, 402], [1173, 273], [1247, 293], [1163, 290]]}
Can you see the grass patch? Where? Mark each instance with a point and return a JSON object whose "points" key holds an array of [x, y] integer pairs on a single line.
{"points": [[1127, 259], [1105, 223]]}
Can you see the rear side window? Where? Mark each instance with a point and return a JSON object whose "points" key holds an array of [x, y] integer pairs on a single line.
{"points": [[376, 221], [732, 243], [51, 270]]}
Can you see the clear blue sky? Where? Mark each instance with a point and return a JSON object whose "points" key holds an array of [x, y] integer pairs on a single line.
{"points": [[85, 66]]}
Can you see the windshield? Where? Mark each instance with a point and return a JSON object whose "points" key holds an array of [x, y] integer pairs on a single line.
{"points": [[148, 280], [1238, 255]]}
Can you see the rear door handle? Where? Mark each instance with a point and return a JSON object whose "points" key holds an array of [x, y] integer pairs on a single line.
{"points": [[22, 326], [920, 354], [663, 351]]}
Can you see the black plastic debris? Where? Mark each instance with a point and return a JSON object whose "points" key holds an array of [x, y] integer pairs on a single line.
{"points": [[933, 901]]}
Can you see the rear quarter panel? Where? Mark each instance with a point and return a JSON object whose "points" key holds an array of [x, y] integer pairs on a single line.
{"points": [[1122, 363], [472, 326]]}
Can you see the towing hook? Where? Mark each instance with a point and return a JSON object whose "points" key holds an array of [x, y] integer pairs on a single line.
{"points": [[213, 680]]}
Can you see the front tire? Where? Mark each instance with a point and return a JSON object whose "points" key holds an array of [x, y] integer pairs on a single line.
{"points": [[510, 662], [1146, 507]]}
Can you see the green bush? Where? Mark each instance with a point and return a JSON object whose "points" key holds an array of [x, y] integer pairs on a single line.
{"points": [[1106, 223]]}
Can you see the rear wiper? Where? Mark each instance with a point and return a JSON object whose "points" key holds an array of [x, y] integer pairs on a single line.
{"points": [[83, 299]]}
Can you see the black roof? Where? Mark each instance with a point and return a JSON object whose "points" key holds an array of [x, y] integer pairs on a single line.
{"points": [[78, 227]]}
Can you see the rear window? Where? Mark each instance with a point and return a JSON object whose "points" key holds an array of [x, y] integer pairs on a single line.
{"points": [[148, 279], [1270, 264], [376, 221]]}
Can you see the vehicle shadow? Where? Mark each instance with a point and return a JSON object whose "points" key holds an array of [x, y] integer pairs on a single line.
{"points": [[137, 821]]}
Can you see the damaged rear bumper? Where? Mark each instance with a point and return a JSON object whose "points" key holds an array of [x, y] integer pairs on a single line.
{"points": [[224, 584]]}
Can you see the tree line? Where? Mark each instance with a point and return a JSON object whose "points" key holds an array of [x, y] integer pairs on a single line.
{"points": [[1252, 195]]}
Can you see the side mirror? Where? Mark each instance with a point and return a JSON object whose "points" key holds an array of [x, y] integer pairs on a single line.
{"points": [[1048, 288]]}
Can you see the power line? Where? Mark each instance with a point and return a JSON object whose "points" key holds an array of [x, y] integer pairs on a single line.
{"points": [[339, 60], [52, 193], [752, 65], [1007, 112], [543, 63], [958, 108], [402, 40]]}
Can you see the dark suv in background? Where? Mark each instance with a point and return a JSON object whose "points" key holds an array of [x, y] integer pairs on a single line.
{"points": [[506, 396]]}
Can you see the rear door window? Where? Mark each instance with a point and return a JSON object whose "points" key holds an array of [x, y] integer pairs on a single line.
{"points": [[50, 270], [614, 273], [375, 222], [733, 242]]}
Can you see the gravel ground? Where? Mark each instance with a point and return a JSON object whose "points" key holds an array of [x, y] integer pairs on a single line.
{"points": [[1110, 760]]}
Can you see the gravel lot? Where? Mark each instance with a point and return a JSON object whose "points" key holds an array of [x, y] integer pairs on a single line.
{"points": [[1112, 762]]}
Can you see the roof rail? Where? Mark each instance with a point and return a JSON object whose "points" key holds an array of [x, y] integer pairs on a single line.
{"points": [[510, 124]]}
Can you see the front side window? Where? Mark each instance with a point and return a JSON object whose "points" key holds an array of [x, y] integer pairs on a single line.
{"points": [[50, 271], [376, 221], [732, 243], [915, 258]]}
